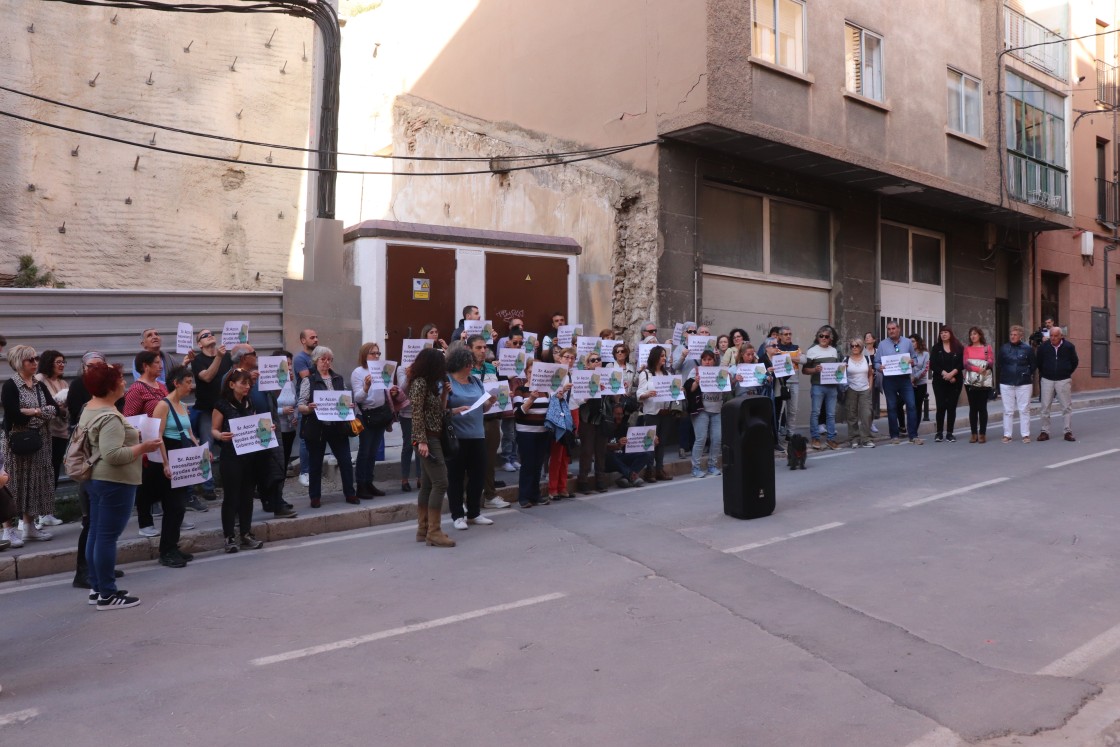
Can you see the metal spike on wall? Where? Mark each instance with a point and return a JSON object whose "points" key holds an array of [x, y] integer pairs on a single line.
{"points": [[136, 165], [74, 152], [31, 29], [187, 48], [30, 187], [62, 228], [149, 81], [128, 201], [233, 65], [93, 80], [226, 250], [284, 69], [268, 44]]}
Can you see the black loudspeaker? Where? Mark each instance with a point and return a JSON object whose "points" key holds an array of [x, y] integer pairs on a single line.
{"points": [[748, 457]]}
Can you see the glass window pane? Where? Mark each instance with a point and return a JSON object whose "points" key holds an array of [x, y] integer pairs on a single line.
{"points": [[872, 67], [853, 67], [799, 241], [953, 83], [731, 228], [764, 30], [972, 107], [895, 253], [1033, 138], [927, 259], [791, 42]]}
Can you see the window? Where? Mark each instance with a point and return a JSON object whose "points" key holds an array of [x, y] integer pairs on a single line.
{"points": [[760, 234], [863, 62], [908, 255], [1036, 144], [964, 104], [779, 32]]}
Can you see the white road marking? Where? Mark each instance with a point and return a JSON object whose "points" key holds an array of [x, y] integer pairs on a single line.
{"points": [[19, 717], [1084, 656], [834, 454], [784, 537], [359, 640], [958, 491], [939, 737], [1081, 459]]}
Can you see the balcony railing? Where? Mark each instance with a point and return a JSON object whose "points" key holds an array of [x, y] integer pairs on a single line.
{"points": [[1037, 183], [1107, 206], [1051, 57], [1106, 84]]}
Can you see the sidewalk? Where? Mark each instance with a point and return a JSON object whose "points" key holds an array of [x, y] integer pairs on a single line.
{"points": [[37, 559]]}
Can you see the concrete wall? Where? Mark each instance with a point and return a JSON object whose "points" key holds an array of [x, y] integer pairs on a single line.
{"points": [[175, 232]]}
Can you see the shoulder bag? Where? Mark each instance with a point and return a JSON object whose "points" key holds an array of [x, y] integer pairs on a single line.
{"points": [[447, 438], [981, 378], [25, 443]]}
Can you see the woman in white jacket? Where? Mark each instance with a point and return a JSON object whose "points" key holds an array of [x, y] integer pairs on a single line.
{"points": [[661, 414]]}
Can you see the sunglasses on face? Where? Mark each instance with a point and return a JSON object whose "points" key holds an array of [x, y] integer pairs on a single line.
{"points": [[33, 359], [651, 331], [592, 360], [514, 344], [824, 337]]}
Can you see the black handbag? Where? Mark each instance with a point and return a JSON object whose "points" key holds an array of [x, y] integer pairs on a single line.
{"points": [[25, 443], [447, 438], [378, 417]]}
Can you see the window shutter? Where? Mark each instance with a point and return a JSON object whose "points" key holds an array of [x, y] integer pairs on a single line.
{"points": [[853, 59]]}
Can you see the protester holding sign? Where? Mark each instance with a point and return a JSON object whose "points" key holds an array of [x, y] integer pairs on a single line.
{"points": [[238, 473], [823, 394], [593, 410], [175, 428], [659, 414], [375, 412], [533, 441], [320, 429], [707, 421], [893, 360], [559, 455], [466, 470], [210, 366], [141, 399]]}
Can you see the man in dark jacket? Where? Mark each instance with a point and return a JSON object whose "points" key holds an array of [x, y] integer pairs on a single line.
{"points": [[1057, 360], [1015, 367]]}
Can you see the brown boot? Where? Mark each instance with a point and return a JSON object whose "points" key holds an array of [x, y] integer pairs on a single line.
{"points": [[436, 537], [983, 439], [663, 475], [649, 476], [422, 521]]}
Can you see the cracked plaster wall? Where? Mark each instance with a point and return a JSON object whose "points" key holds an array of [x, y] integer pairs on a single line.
{"points": [[181, 211]]}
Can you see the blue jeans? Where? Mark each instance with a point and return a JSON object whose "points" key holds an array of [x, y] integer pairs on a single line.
{"points": [[629, 464], [508, 449], [408, 451], [893, 387], [823, 393], [110, 506], [707, 425], [201, 421], [533, 448], [368, 442], [305, 455]]}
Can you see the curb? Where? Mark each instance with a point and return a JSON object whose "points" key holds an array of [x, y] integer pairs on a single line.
{"points": [[50, 562]]}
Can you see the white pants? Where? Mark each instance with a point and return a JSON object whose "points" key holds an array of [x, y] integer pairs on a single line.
{"points": [[1016, 399], [1063, 390]]}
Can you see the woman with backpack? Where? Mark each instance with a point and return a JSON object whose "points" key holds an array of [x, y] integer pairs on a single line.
{"points": [[467, 468], [175, 427], [112, 484]]}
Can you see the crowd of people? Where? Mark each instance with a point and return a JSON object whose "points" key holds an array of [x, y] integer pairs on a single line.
{"points": [[457, 440]]}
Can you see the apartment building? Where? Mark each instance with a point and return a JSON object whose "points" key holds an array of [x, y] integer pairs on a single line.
{"points": [[838, 162]]}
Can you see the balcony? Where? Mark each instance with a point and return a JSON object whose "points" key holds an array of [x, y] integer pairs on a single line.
{"points": [[1052, 57], [1106, 84], [1107, 206], [1037, 183]]}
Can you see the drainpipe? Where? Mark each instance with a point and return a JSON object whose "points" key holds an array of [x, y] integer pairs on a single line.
{"points": [[878, 264]]}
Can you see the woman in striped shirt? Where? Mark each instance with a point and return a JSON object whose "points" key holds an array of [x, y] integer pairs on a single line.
{"points": [[533, 441]]}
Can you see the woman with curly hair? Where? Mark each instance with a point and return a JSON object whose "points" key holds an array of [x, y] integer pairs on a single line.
{"points": [[428, 392]]}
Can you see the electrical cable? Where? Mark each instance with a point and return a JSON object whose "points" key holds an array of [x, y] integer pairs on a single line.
{"points": [[277, 146], [326, 170]]}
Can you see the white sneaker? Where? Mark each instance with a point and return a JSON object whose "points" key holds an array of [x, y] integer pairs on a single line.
{"points": [[31, 533], [332, 460], [460, 523], [874, 428], [48, 521], [516, 464], [508, 467], [187, 524], [481, 521], [304, 479], [149, 532], [13, 536], [495, 502]]}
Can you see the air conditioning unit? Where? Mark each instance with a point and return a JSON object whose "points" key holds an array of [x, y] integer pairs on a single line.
{"points": [[1086, 243]]}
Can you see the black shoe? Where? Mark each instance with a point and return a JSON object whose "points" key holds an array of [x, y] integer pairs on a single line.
{"points": [[375, 491], [499, 483], [249, 542], [231, 545], [285, 513], [196, 504], [118, 574], [951, 438], [118, 600], [211, 496], [172, 560], [81, 581], [937, 438], [187, 556], [406, 486]]}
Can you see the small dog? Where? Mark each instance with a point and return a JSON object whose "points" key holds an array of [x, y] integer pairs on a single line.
{"points": [[796, 450]]}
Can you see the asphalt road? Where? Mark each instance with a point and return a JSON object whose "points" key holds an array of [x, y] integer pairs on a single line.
{"points": [[906, 595]]}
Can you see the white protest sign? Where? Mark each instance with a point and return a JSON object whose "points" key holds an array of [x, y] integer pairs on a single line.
{"points": [[532, 344], [697, 344], [834, 373], [613, 382], [511, 362], [783, 365], [334, 406], [547, 377], [640, 439], [483, 327], [605, 349], [566, 333], [189, 466], [500, 389], [587, 384], [149, 430], [382, 373], [184, 339], [714, 379], [584, 347], [645, 348], [273, 372], [896, 365], [669, 388], [754, 374], [253, 433], [411, 348], [678, 333], [234, 333]]}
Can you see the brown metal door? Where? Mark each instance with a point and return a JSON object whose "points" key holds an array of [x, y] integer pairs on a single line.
{"points": [[406, 309], [530, 288]]}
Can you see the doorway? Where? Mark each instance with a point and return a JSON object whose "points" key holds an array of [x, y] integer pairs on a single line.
{"points": [[526, 287], [419, 289]]}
